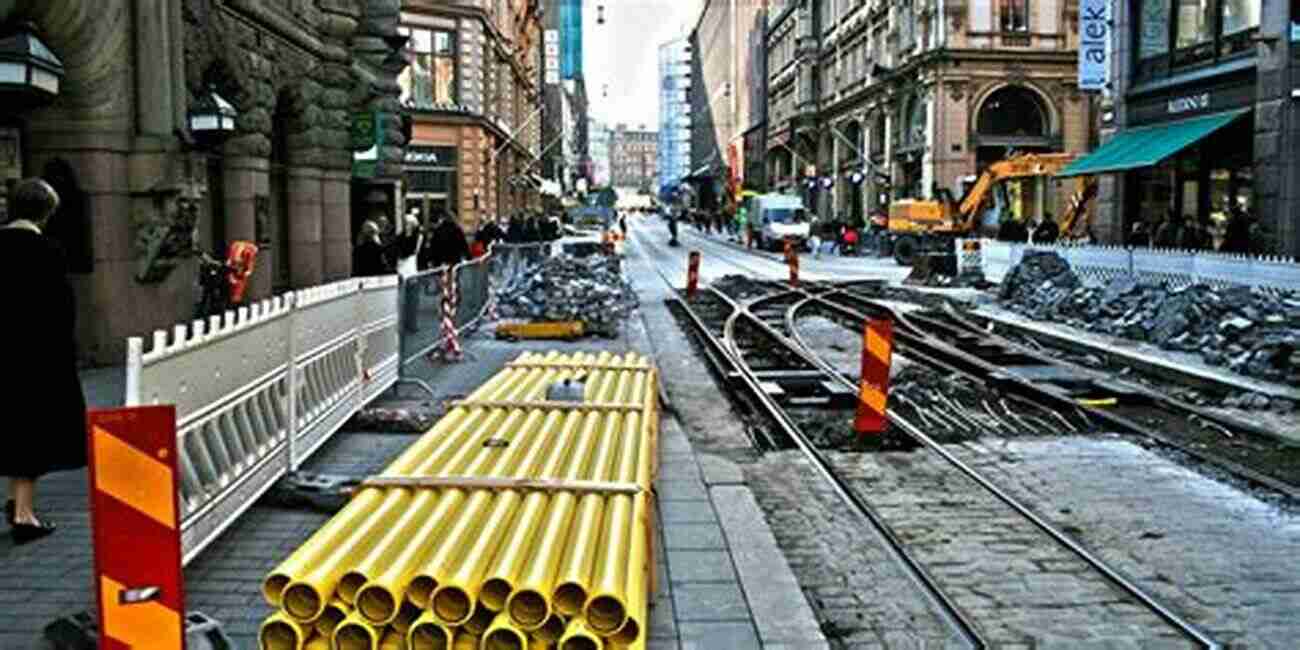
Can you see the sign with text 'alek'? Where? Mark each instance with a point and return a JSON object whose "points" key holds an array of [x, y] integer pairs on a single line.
{"points": [[1094, 43]]}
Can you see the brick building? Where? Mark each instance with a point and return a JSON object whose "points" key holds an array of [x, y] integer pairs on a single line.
{"points": [[472, 89], [633, 157], [241, 125]]}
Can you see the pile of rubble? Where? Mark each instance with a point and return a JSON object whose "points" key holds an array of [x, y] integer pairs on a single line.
{"points": [[740, 287], [564, 288], [1248, 331]]}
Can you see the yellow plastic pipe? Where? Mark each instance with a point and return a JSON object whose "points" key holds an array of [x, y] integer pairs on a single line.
{"points": [[279, 632], [606, 606], [334, 613], [454, 599], [379, 599], [305, 596], [577, 636], [502, 635], [529, 605], [521, 426], [429, 633], [552, 630], [478, 623], [571, 585], [317, 642], [640, 553], [392, 640], [406, 616], [354, 633], [310, 553], [513, 549], [465, 641]]}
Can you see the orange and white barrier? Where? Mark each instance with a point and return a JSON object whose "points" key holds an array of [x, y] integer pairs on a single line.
{"points": [[873, 397]]}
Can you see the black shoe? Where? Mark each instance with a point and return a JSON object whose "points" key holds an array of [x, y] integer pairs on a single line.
{"points": [[10, 509], [24, 533]]}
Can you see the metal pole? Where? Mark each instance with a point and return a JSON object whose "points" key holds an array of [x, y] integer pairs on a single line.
{"points": [[291, 370]]}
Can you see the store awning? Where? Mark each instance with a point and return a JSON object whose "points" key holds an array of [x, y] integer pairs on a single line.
{"points": [[1148, 145]]}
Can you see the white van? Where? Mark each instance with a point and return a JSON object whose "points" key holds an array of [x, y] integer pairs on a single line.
{"points": [[776, 217]]}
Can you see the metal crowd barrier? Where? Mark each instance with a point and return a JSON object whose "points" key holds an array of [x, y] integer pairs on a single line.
{"points": [[259, 389], [1099, 265], [479, 282]]}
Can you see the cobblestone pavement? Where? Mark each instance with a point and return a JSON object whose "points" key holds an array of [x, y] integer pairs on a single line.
{"points": [[1220, 556], [1015, 583], [863, 599]]}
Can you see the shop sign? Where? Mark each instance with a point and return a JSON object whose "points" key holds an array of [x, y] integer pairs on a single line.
{"points": [[1189, 103], [367, 138], [1094, 40]]}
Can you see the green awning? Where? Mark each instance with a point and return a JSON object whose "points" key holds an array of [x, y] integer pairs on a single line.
{"points": [[1148, 145]]}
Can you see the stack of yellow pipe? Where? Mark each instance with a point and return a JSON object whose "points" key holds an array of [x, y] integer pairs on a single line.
{"points": [[461, 568]]}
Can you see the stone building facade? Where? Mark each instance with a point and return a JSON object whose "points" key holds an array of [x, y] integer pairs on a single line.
{"points": [[117, 144], [474, 95], [916, 100], [633, 157]]}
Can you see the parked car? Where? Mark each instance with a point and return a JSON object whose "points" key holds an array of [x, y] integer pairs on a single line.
{"points": [[778, 217]]}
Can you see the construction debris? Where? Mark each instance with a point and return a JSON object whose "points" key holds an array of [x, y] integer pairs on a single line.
{"points": [[1249, 331], [563, 288]]}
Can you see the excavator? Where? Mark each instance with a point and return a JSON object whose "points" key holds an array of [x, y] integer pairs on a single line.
{"points": [[925, 226]]}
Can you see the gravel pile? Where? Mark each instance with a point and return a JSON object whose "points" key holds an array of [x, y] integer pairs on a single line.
{"points": [[739, 287], [1247, 331], [590, 289]]}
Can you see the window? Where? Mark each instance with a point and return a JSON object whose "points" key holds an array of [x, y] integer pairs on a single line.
{"points": [[1014, 15], [1195, 22], [1240, 15], [908, 30], [1154, 36], [430, 75]]}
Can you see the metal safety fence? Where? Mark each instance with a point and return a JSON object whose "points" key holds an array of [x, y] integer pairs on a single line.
{"points": [[1098, 265], [259, 389]]}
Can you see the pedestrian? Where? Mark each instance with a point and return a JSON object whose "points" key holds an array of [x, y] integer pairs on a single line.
{"points": [[742, 224], [368, 255], [489, 233], [407, 246], [1139, 236], [1191, 238], [1046, 232], [622, 224], [1169, 233], [47, 409], [1236, 235], [448, 246]]}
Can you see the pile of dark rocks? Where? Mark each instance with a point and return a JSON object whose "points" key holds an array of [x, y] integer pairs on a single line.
{"points": [[564, 288], [740, 287], [1248, 331]]}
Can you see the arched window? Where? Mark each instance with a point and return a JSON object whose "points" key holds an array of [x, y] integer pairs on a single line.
{"points": [[1013, 111], [878, 135]]}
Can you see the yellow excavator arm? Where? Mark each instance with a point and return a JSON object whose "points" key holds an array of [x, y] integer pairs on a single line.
{"points": [[1022, 166]]}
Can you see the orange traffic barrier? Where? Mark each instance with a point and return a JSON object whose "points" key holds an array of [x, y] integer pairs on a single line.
{"points": [[873, 397], [792, 260], [135, 523], [692, 274]]}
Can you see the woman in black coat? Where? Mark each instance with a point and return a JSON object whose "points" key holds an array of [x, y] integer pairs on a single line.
{"points": [[49, 434], [369, 257]]}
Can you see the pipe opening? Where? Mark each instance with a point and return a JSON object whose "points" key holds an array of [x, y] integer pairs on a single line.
{"points": [[552, 630], [330, 619], [376, 605], [452, 604], [429, 636], [421, 590], [579, 643], [273, 587], [302, 602], [569, 598], [349, 585], [494, 593], [353, 636], [605, 614], [479, 622], [500, 639], [629, 633], [528, 609], [279, 635]]}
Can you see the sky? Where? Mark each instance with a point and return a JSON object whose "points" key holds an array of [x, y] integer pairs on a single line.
{"points": [[624, 54]]}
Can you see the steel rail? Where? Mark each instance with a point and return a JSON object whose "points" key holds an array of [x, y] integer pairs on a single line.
{"points": [[945, 608], [1116, 577]]}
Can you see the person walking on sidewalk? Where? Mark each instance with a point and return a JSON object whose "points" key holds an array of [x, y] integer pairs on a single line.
{"points": [[46, 406], [368, 258]]}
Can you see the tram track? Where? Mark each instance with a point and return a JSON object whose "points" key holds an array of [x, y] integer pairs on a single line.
{"points": [[750, 355]]}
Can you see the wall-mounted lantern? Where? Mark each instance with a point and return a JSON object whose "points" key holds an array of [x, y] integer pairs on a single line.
{"points": [[212, 116], [27, 64]]}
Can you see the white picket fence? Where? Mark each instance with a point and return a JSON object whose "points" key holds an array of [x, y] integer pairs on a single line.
{"points": [[1097, 265], [260, 389]]}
